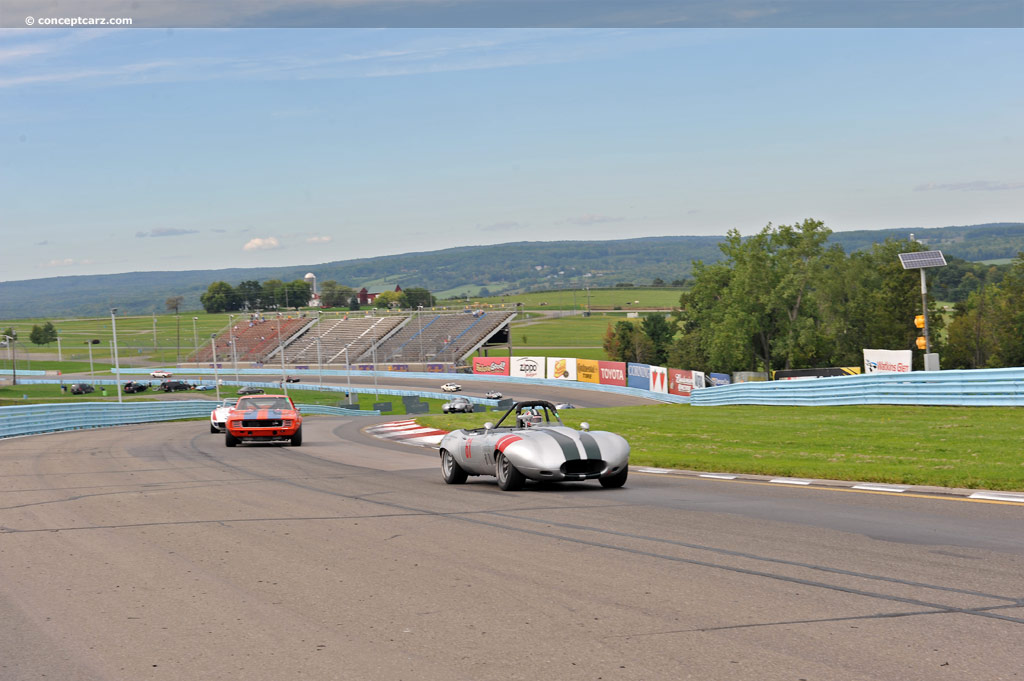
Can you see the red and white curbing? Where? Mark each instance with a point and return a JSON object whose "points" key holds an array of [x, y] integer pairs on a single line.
{"points": [[408, 432]]}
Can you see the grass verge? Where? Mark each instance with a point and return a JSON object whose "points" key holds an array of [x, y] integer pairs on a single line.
{"points": [[971, 447]]}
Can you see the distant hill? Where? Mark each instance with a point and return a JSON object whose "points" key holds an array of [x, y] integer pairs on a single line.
{"points": [[511, 267]]}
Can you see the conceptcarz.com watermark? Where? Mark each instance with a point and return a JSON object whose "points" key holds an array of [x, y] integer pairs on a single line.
{"points": [[78, 21]]}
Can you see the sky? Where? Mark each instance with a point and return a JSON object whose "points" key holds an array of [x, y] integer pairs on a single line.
{"points": [[143, 149]]}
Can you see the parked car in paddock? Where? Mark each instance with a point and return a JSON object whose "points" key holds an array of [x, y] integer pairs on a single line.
{"points": [[457, 405], [160, 373], [249, 390], [175, 386], [531, 443], [219, 416], [451, 387], [206, 386], [263, 418], [82, 389], [493, 395], [135, 387]]}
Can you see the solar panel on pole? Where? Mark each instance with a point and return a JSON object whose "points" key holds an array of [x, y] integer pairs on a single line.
{"points": [[918, 259]]}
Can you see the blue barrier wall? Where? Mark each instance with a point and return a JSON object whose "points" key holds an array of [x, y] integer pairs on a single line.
{"points": [[47, 418], [968, 388]]}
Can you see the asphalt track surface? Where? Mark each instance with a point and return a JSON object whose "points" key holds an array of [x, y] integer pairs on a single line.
{"points": [[155, 552]]}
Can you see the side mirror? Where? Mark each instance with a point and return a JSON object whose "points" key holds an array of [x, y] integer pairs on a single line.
{"points": [[488, 426], [584, 426]]}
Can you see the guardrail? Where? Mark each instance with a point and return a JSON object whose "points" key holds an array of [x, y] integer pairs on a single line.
{"points": [[967, 388], [432, 376], [34, 419]]}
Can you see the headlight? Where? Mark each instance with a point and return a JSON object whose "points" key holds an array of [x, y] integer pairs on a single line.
{"points": [[287, 423], [236, 424]]}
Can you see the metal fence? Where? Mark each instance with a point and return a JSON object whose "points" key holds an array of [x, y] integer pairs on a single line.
{"points": [[48, 418], [968, 388]]}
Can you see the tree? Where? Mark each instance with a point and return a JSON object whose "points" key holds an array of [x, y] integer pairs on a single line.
{"points": [[218, 297], [249, 295], [420, 296], [173, 303], [273, 293], [298, 293], [333, 294], [658, 281], [389, 299], [658, 331], [43, 335]]}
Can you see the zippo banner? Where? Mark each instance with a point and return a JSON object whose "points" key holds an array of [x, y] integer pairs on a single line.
{"points": [[562, 367], [495, 366], [659, 379], [612, 373], [638, 376], [527, 367], [588, 371]]}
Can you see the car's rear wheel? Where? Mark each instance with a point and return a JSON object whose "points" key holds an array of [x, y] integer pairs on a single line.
{"points": [[453, 473], [230, 440], [617, 480], [297, 438], [509, 477]]}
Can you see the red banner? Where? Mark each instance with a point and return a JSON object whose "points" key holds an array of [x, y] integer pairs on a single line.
{"points": [[496, 366], [612, 373], [680, 382]]}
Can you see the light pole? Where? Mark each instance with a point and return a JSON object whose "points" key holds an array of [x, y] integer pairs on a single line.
{"points": [[14, 360], [60, 357], [216, 375], [280, 351], [117, 365], [420, 333], [89, 344], [195, 340], [231, 335], [919, 260], [348, 373], [376, 391], [319, 361], [154, 332]]}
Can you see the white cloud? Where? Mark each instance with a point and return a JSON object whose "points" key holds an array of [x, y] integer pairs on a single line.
{"points": [[975, 186], [258, 244], [66, 262], [591, 219], [319, 239]]}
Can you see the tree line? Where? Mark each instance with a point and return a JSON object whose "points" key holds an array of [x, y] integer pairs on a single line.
{"points": [[274, 294], [787, 298]]}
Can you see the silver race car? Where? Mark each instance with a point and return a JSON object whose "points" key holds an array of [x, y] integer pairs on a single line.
{"points": [[534, 445]]}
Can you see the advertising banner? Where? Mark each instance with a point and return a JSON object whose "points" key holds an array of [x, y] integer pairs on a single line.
{"points": [[719, 379], [680, 382], [659, 379], [562, 367], [612, 373], [588, 371], [887, 361], [699, 380], [638, 376], [527, 367], [363, 367], [827, 372], [398, 367], [435, 368], [495, 366]]}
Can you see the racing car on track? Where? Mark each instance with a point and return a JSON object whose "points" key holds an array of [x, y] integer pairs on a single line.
{"points": [[219, 416], [263, 418], [534, 445], [451, 387], [457, 405], [160, 373]]}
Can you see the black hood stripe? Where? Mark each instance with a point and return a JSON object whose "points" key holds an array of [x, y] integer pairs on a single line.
{"points": [[590, 446], [567, 444]]}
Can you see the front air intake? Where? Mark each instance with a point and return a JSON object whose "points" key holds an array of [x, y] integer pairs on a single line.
{"points": [[589, 468]]}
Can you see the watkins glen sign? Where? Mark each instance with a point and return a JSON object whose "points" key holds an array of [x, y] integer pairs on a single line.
{"points": [[495, 366]]}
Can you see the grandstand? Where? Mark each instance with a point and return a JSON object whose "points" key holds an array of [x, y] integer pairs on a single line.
{"points": [[426, 337]]}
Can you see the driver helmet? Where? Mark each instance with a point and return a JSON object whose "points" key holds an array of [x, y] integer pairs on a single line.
{"points": [[530, 417]]}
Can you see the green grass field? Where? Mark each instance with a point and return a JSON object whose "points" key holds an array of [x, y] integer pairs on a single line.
{"points": [[604, 298], [972, 447]]}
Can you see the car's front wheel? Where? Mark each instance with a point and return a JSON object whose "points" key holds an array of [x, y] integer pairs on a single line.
{"points": [[509, 477], [230, 440], [451, 471], [617, 480], [297, 438], [214, 429]]}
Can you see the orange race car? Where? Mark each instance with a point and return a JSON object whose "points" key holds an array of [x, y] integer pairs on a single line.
{"points": [[263, 418]]}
